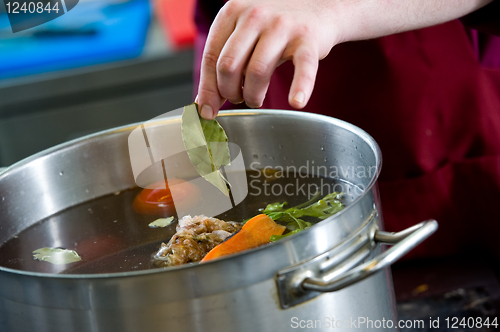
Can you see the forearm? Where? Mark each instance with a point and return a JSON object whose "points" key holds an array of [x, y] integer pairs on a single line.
{"points": [[366, 19], [250, 38]]}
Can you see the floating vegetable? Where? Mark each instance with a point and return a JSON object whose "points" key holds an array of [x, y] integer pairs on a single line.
{"points": [[322, 209], [56, 255], [159, 201], [206, 145], [162, 222], [256, 232]]}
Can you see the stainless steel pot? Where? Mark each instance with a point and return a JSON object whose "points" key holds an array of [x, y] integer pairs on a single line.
{"points": [[331, 275]]}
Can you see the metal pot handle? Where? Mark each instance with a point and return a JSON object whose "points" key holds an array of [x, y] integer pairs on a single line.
{"points": [[402, 242], [339, 267]]}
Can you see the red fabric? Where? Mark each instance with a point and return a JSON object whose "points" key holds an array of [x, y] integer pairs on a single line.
{"points": [[434, 109], [435, 112]]}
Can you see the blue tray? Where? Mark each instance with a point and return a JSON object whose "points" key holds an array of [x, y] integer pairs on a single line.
{"points": [[93, 32]]}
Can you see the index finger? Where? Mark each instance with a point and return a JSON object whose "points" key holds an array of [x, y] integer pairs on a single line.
{"points": [[209, 98]]}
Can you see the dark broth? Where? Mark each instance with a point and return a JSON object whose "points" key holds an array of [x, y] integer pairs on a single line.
{"points": [[111, 237]]}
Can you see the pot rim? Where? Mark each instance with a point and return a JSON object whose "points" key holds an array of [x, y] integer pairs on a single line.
{"points": [[228, 113]]}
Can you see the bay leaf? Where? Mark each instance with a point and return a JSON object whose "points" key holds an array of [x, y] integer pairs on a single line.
{"points": [[206, 145], [56, 255], [162, 222]]}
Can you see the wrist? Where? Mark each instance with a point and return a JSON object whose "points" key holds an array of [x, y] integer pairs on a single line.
{"points": [[359, 20]]}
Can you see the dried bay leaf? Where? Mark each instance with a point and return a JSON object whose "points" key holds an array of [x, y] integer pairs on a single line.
{"points": [[56, 255], [206, 145], [162, 222]]}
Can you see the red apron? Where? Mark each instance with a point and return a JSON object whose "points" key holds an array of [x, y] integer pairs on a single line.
{"points": [[435, 112]]}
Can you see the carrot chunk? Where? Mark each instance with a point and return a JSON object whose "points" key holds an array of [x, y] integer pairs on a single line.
{"points": [[256, 232]]}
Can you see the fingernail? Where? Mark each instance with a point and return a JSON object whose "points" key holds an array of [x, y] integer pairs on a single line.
{"points": [[196, 99], [207, 112], [299, 97]]}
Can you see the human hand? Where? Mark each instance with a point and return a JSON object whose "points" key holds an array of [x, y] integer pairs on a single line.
{"points": [[249, 39]]}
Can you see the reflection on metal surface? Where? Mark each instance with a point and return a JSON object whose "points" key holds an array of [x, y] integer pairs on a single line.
{"points": [[329, 265], [420, 232], [322, 274]]}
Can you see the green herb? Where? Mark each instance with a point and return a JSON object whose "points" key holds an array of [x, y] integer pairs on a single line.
{"points": [[162, 222], [322, 209], [279, 237], [275, 207], [56, 255], [206, 145]]}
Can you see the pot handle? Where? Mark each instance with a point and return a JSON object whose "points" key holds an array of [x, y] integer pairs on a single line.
{"points": [[402, 242]]}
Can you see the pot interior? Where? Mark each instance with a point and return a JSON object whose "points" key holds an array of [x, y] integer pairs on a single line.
{"points": [[51, 196]]}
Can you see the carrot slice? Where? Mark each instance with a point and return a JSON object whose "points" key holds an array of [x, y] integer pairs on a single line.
{"points": [[256, 232]]}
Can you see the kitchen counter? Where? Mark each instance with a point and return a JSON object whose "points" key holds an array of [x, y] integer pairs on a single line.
{"points": [[441, 289]]}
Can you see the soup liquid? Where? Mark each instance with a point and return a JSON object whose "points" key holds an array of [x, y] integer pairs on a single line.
{"points": [[111, 237]]}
